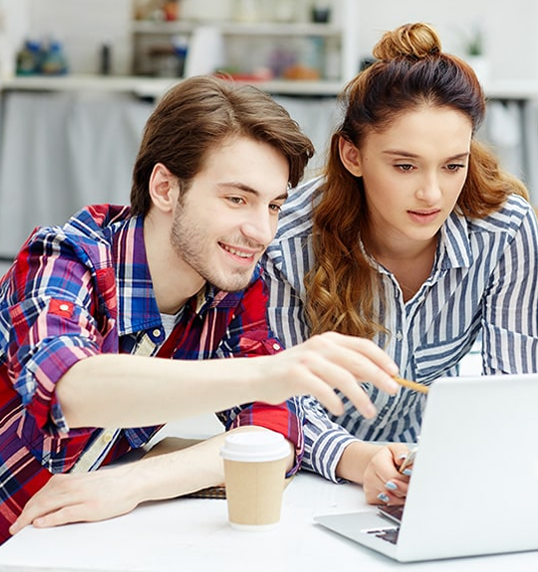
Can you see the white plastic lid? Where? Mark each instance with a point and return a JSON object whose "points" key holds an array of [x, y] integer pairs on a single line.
{"points": [[255, 447]]}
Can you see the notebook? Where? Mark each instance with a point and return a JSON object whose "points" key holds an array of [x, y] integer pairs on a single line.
{"points": [[474, 487]]}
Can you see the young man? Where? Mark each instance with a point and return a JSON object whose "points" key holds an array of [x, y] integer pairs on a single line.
{"points": [[173, 276]]}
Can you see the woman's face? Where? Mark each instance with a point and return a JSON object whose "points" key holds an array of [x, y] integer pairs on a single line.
{"points": [[413, 173]]}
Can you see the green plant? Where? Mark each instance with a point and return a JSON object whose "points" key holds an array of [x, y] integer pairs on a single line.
{"points": [[474, 42]]}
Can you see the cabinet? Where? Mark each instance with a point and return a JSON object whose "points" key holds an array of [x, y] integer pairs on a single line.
{"points": [[298, 55]]}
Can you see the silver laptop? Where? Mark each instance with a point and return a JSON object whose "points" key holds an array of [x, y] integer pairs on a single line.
{"points": [[474, 487]]}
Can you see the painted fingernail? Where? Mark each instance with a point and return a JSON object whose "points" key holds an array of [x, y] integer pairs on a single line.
{"points": [[407, 472], [391, 486], [383, 497]]}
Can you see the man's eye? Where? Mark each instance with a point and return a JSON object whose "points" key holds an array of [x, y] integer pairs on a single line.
{"points": [[236, 200], [275, 208]]}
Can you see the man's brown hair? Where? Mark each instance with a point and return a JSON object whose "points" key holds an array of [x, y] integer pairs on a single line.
{"points": [[196, 116]]}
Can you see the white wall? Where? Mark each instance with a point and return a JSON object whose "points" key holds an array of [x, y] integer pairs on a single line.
{"points": [[83, 26], [511, 28]]}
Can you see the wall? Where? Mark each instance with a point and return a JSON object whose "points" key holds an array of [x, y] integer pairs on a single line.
{"points": [[83, 26], [511, 30], [511, 35]]}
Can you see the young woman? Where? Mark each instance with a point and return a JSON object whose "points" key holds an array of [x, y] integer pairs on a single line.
{"points": [[414, 238]]}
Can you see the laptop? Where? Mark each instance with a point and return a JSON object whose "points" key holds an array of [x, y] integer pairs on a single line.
{"points": [[474, 487]]}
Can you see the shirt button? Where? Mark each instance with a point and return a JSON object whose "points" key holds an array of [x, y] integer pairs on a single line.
{"points": [[64, 307], [399, 336], [156, 333], [107, 437], [276, 346]]}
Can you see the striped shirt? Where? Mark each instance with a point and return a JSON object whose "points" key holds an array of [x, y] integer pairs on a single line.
{"points": [[84, 289], [483, 285]]}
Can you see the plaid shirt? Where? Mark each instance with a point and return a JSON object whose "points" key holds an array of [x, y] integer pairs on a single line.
{"points": [[85, 289]]}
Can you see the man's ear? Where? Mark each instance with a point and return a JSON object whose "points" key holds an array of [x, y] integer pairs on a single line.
{"points": [[163, 188], [350, 157]]}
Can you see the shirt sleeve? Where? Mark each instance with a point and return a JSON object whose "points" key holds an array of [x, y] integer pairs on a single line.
{"points": [[324, 440], [49, 304], [510, 310], [249, 335]]}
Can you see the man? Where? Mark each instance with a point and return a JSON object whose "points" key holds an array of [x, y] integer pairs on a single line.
{"points": [[173, 276]]}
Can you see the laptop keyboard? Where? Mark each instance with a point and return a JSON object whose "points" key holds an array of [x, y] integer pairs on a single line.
{"points": [[388, 534]]}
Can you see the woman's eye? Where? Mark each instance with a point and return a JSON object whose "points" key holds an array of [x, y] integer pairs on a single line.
{"points": [[275, 208], [404, 167], [455, 167], [236, 200]]}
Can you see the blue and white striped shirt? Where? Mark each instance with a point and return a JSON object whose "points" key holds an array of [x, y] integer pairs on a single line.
{"points": [[484, 281]]}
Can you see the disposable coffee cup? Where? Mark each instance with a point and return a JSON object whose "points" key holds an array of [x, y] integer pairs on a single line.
{"points": [[254, 472]]}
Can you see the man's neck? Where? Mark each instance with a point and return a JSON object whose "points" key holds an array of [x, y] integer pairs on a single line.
{"points": [[173, 283]]}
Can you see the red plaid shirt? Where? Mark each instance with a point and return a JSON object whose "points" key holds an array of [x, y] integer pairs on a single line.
{"points": [[85, 289]]}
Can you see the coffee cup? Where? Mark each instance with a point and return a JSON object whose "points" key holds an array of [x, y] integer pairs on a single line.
{"points": [[254, 471]]}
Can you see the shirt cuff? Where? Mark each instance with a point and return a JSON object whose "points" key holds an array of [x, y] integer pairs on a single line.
{"points": [[279, 418], [323, 455]]}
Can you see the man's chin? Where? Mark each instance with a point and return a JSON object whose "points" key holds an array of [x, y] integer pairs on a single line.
{"points": [[233, 284]]}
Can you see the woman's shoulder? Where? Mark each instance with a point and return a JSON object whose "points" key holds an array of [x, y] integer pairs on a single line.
{"points": [[296, 215], [508, 219]]}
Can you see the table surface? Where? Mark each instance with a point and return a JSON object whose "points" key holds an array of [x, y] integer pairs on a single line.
{"points": [[194, 535]]}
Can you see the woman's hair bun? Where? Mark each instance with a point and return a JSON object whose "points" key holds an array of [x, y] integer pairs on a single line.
{"points": [[416, 41]]}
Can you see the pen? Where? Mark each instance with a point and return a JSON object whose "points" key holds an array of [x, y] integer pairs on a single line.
{"points": [[408, 460], [411, 384]]}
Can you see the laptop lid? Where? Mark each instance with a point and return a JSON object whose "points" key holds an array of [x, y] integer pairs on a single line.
{"points": [[474, 488]]}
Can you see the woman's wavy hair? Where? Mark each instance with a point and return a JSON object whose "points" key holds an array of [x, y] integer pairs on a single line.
{"points": [[410, 72]]}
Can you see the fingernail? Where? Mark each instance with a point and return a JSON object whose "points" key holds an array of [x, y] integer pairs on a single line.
{"points": [[407, 472], [391, 486], [402, 457], [383, 497]]}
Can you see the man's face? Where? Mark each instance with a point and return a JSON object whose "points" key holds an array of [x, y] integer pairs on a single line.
{"points": [[229, 214]]}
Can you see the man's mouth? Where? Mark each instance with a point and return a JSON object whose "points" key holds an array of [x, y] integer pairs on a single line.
{"points": [[236, 252]]}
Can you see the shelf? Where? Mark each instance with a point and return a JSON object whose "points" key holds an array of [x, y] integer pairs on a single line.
{"points": [[156, 87], [295, 49], [238, 28]]}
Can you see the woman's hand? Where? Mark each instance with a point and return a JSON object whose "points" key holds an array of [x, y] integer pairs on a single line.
{"points": [[383, 483], [376, 468]]}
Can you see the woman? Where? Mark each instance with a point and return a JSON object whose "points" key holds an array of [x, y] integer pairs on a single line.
{"points": [[414, 238]]}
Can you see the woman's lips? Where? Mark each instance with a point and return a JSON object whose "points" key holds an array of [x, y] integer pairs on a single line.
{"points": [[424, 217]]}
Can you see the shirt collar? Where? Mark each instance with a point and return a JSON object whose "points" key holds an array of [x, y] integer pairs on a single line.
{"points": [[455, 243], [137, 307], [454, 249]]}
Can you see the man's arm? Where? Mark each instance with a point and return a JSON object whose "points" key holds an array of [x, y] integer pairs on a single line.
{"points": [[163, 473], [134, 391]]}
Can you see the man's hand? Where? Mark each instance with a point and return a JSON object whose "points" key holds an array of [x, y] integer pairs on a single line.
{"points": [[81, 497], [327, 362], [174, 467]]}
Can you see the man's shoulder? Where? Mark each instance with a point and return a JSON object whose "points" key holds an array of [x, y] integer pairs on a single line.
{"points": [[97, 221], [88, 234]]}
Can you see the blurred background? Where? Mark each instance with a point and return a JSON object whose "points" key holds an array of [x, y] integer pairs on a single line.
{"points": [[78, 79]]}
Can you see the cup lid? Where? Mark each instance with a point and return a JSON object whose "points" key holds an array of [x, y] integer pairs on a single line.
{"points": [[255, 446]]}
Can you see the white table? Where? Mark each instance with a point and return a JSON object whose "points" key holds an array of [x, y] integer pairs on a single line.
{"points": [[191, 535]]}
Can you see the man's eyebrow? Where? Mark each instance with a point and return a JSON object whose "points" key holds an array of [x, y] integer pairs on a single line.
{"points": [[250, 190]]}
